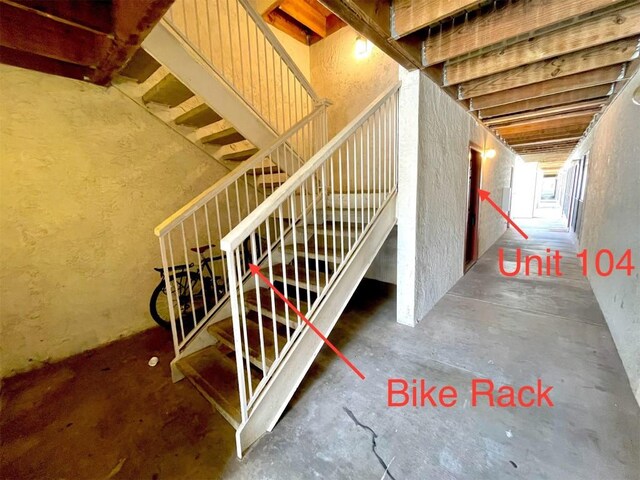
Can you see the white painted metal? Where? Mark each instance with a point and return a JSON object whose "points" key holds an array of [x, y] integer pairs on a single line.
{"points": [[280, 213]]}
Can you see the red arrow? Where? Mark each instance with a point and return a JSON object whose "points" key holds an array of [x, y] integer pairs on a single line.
{"points": [[484, 195], [255, 270]]}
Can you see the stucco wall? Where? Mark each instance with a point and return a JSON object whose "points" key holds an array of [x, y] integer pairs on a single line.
{"points": [[85, 176], [437, 177], [611, 221], [350, 84]]}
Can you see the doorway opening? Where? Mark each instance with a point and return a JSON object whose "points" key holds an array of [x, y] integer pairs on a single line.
{"points": [[473, 207]]}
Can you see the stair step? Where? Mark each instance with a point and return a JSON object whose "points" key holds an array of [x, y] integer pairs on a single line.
{"points": [[216, 377], [267, 167], [275, 179], [237, 155], [140, 67], [223, 331], [311, 248], [219, 136], [168, 91], [198, 117], [265, 306], [279, 271], [328, 228]]}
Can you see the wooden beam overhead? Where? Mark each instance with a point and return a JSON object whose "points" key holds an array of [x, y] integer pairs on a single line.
{"points": [[30, 31], [601, 56], [590, 105], [509, 21], [306, 14], [285, 24], [546, 118], [604, 29], [93, 14], [565, 98], [545, 125], [547, 135], [410, 16], [591, 78], [546, 143], [43, 64]]}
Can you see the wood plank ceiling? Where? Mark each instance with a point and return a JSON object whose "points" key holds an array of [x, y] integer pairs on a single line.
{"points": [[82, 39], [536, 72], [308, 21]]}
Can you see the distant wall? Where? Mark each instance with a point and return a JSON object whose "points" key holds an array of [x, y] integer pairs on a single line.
{"points": [[85, 176], [611, 220]]}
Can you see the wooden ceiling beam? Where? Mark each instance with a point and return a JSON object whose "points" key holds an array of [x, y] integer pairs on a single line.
{"points": [[410, 15], [43, 64], [306, 14], [566, 98], [551, 135], [92, 14], [604, 29], [601, 56], [546, 124], [512, 20], [31, 31], [590, 105], [591, 78], [545, 118]]}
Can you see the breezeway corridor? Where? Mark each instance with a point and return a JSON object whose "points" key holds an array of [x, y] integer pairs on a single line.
{"points": [[510, 330]]}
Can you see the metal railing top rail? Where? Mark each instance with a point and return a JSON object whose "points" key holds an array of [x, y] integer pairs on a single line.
{"points": [[252, 221], [273, 40], [255, 161]]}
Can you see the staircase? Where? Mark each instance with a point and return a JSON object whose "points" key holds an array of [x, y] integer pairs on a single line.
{"points": [[311, 212]]}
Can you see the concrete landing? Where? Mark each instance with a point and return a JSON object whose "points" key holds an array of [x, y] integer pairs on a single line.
{"points": [[106, 414]]}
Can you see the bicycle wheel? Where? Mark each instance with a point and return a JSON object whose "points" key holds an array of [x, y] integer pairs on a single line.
{"points": [[159, 303]]}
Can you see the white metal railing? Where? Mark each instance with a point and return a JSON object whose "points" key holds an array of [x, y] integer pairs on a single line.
{"points": [[302, 235], [190, 236], [234, 40]]}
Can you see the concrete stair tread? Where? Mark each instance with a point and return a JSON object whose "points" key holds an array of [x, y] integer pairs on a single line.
{"points": [[279, 274], [265, 306], [225, 136], [216, 377], [198, 117], [311, 248], [223, 331], [238, 155]]}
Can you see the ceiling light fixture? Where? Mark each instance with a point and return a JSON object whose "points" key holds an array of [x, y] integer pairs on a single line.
{"points": [[363, 48]]}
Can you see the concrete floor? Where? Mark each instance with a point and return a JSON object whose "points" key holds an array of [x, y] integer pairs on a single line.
{"points": [[106, 414]]}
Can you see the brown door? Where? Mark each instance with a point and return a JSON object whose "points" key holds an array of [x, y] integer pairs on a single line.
{"points": [[473, 202]]}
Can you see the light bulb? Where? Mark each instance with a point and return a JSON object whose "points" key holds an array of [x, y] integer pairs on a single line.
{"points": [[363, 48]]}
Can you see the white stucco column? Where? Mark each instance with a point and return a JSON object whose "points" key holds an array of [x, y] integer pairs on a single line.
{"points": [[407, 195]]}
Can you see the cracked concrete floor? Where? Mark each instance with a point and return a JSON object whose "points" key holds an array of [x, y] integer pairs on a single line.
{"points": [[106, 414]]}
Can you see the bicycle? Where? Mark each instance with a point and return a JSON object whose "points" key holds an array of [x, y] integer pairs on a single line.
{"points": [[182, 295]]}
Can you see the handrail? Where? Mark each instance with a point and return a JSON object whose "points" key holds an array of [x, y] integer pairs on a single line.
{"points": [[236, 236], [273, 40], [233, 176]]}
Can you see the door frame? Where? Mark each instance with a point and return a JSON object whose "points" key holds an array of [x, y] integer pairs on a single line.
{"points": [[477, 150]]}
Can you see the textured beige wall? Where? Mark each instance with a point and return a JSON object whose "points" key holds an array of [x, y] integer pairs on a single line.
{"points": [[85, 176], [350, 84]]}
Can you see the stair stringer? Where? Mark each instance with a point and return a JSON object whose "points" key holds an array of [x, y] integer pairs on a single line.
{"points": [[290, 372], [168, 47]]}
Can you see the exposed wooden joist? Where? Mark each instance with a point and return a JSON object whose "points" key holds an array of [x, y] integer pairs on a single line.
{"points": [[89, 14], [411, 15], [288, 26], [590, 105], [565, 98], [30, 31], [132, 23], [553, 145], [43, 64], [545, 118], [547, 157], [582, 120], [609, 54], [306, 14], [604, 29], [550, 134], [510, 21], [591, 78]]}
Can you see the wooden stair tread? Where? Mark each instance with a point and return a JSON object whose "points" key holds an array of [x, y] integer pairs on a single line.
{"points": [[265, 305], [223, 331], [240, 154], [279, 270], [169, 91], [216, 377], [311, 248], [226, 136], [198, 117]]}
